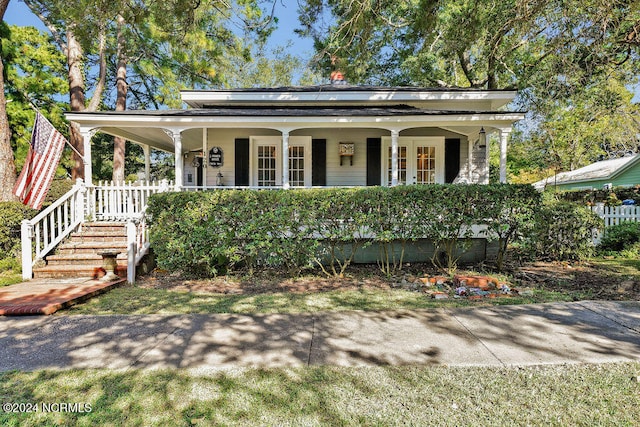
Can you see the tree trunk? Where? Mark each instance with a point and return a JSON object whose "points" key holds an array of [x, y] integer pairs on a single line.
{"points": [[7, 164], [76, 99], [119, 144]]}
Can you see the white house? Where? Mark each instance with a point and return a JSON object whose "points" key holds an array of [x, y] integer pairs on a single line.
{"points": [[330, 135], [322, 136]]}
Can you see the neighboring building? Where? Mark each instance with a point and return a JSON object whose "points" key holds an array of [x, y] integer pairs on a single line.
{"points": [[622, 172], [331, 135]]}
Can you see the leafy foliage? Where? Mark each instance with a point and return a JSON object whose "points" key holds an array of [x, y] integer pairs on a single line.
{"points": [[620, 237], [11, 216], [35, 74], [601, 196], [207, 233], [563, 231]]}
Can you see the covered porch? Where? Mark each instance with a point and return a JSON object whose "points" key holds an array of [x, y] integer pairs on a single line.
{"points": [[287, 151]]}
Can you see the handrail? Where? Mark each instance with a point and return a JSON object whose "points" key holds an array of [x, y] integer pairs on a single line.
{"points": [[137, 243], [50, 226]]}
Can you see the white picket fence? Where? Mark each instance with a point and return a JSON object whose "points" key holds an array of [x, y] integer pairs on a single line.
{"points": [[614, 215]]}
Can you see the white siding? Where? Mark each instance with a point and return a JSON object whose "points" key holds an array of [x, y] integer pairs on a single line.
{"points": [[337, 175], [345, 175]]}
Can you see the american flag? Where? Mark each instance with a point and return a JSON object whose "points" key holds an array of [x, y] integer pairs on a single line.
{"points": [[42, 160]]}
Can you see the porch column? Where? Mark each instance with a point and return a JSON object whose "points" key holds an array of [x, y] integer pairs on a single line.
{"points": [[504, 135], [285, 160], [147, 162], [205, 156], [394, 157], [176, 136], [88, 170]]}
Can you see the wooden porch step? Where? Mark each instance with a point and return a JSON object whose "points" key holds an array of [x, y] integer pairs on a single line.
{"points": [[97, 227], [83, 259], [98, 236], [60, 271], [89, 247], [78, 256]]}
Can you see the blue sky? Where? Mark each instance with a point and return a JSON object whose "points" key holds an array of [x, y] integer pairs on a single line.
{"points": [[286, 10]]}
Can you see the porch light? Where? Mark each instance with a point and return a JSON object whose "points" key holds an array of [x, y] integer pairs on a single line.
{"points": [[219, 179], [482, 141]]}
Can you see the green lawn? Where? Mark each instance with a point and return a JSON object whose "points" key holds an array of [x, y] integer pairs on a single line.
{"points": [[135, 300], [606, 394]]}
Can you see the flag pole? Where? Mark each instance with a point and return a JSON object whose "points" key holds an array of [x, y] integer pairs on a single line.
{"points": [[65, 140]]}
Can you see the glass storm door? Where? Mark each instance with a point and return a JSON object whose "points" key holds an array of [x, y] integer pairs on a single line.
{"points": [[420, 160], [425, 164], [266, 161], [299, 173], [267, 166]]}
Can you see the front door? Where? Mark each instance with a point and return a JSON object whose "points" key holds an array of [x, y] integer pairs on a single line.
{"points": [[420, 160], [266, 161]]}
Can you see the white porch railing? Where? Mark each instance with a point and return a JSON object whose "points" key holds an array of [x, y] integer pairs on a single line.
{"points": [[122, 201], [42, 233], [103, 202]]}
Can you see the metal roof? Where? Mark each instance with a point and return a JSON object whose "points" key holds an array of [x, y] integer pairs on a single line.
{"points": [[297, 111], [598, 170]]}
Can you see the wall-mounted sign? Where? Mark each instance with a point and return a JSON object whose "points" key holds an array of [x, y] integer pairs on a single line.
{"points": [[346, 149], [215, 157]]}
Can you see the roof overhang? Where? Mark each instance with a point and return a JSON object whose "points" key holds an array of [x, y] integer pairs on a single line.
{"points": [[147, 127], [352, 95]]}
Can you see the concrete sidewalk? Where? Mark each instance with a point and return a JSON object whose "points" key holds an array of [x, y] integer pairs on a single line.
{"points": [[581, 332]]}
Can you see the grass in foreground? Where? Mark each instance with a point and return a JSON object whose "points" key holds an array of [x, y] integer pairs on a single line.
{"points": [[618, 266], [606, 394], [135, 300], [598, 279]]}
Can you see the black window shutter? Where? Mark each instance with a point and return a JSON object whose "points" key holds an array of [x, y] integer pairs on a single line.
{"points": [[451, 159], [319, 162], [374, 151], [242, 161]]}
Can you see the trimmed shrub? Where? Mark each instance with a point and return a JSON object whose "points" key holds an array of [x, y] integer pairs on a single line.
{"points": [[11, 216], [620, 237], [563, 231], [600, 195], [207, 233], [59, 187]]}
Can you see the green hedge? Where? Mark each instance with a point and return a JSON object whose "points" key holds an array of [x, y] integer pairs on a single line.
{"points": [[207, 233], [563, 231], [613, 197], [11, 216], [620, 237]]}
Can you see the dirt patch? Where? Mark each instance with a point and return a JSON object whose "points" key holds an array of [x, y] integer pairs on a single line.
{"points": [[595, 279], [584, 280], [267, 282]]}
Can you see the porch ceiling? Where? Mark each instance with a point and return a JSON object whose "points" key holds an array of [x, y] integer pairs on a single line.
{"points": [[153, 137]]}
